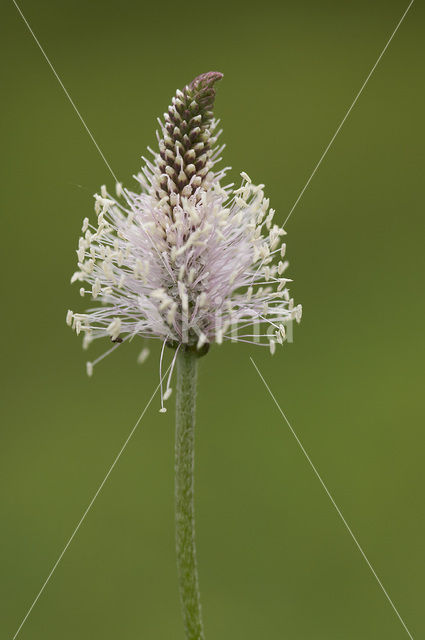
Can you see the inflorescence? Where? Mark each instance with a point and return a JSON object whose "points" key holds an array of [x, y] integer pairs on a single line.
{"points": [[184, 259]]}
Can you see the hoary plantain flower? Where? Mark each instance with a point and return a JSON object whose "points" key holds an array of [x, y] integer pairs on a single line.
{"points": [[189, 260]]}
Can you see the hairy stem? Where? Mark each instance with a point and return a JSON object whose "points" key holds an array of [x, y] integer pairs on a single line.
{"points": [[184, 490]]}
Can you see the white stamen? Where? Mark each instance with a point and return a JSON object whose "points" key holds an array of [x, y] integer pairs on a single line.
{"points": [[96, 288], [143, 355], [201, 341], [114, 329], [162, 409]]}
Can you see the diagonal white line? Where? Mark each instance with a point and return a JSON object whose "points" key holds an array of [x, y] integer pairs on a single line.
{"points": [[90, 505], [347, 114], [66, 92], [332, 500]]}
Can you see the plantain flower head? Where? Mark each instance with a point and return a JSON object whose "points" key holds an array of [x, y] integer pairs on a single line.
{"points": [[185, 258]]}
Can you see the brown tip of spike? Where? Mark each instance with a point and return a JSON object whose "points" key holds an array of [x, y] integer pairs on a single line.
{"points": [[202, 88], [206, 79]]}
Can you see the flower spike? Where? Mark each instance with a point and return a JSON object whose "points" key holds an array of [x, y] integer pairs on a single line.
{"points": [[184, 259]]}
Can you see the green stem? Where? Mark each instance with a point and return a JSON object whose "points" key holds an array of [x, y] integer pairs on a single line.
{"points": [[184, 504]]}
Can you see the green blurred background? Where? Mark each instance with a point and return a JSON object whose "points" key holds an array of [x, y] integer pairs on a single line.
{"points": [[275, 560]]}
